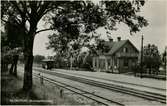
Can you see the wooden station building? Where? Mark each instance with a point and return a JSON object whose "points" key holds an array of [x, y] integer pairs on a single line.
{"points": [[121, 57]]}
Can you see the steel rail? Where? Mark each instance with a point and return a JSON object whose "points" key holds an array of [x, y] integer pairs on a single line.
{"points": [[121, 89], [115, 81], [83, 92]]}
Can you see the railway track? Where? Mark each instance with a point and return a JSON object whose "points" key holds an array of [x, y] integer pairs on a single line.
{"points": [[99, 99], [117, 88], [117, 81]]}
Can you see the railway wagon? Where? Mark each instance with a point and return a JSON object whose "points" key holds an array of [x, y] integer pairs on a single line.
{"points": [[48, 64]]}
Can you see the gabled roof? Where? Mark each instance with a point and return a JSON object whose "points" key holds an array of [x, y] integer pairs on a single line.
{"points": [[115, 46]]}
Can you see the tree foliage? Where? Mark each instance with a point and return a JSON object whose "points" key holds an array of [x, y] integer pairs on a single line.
{"points": [[12, 38], [164, 55], [14, 35], [69, 18], [77, 19], [152, 58], [25, 17], [164, 58], [126, 12]]}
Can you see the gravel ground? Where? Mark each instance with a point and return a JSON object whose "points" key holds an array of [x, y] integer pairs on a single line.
{"points": [[51, 93], [120, 77], [41, 94], [11, 92], [119, 97], [48, 91], [101, 78]]}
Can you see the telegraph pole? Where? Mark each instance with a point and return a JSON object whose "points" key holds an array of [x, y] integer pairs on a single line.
{"points": [[141, 58], [165, 57]]}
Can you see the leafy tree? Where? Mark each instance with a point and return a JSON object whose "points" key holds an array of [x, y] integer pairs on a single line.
{"points": [[14, 54], [4, 41], [151, 57], [68, 48], [101, 46], [27, 15], [9, 53], [14, 40], [67, 17], [5, 59], [164, 58], [14, 36], [85, 60], [69, 23]]}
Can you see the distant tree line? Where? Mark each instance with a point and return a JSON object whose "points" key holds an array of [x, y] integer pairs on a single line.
{"points": [[152, 59]]}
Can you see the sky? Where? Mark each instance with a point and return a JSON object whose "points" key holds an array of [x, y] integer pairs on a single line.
{"points": [[155, 11]]}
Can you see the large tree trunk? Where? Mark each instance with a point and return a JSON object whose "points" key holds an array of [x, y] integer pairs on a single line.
{"points": [[13, 69], [12, 65], [27, 84], [16, 57], [28, 62]]}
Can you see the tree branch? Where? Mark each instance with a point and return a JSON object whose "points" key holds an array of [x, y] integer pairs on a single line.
{"points": [[22, 13], [43, 8], [16, 6], [12, 24], [8, 22], [44, 30], [27, 14]]}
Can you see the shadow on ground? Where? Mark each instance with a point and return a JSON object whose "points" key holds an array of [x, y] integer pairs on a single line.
{"points": [[12, 93]]}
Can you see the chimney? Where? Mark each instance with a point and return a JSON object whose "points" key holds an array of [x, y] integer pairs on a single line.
{"points": [[119, 38], [111, 40]]}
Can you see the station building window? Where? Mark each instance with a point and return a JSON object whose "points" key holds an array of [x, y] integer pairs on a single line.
{"points": [[125, 50]]}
